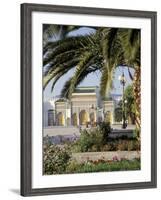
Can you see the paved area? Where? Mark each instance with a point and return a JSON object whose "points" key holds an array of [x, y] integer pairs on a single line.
{"points": [[110, 155], [119, 126], [71, 130], [60, 130]]}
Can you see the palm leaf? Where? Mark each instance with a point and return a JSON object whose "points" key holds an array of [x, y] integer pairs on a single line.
{"points": [[81, 66], [65, 92], [70, 43], [65, 67], [130, 39], [106, 81]]}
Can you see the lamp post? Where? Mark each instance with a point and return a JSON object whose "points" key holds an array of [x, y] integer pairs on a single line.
{"points": [[123, 82], [126, 111]]}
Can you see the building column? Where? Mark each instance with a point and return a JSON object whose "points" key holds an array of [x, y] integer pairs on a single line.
{"points": [[78, 120]]}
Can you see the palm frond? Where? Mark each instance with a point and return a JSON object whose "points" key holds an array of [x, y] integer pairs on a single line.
{"points": [[63, 68], [130, 39], [66, 45], [81, 66], [105, 49], [130, 74], [57, 77], [57, 32], [65, 92], [66, 88], [106, 81], [65, 59]]}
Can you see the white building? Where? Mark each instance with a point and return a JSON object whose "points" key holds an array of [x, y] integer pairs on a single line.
{"points": [[84, 108]]}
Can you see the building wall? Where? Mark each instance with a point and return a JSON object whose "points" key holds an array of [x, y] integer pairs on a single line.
{"points": [[84, 108], [63, 109], [109, 109], [47, 105]]}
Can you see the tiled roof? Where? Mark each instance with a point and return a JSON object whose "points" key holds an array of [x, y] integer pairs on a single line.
{"points": [[85, 89]]}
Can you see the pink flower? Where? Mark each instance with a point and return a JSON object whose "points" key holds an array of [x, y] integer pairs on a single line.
{"points": [[115, 158]]}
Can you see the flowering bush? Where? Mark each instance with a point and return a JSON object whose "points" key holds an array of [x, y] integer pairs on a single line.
{"points": [[55, 159]]}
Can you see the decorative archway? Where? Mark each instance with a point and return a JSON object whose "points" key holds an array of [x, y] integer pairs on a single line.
{"points": [[83, 117], [74, 119], [60, 119]]}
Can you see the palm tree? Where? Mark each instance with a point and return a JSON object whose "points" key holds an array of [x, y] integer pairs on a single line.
{"points": [[103, 50], [122, 47], [56, 32], [81, 52]]}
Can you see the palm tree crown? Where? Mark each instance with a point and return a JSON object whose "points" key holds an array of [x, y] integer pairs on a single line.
{"points": [[103, 50]]}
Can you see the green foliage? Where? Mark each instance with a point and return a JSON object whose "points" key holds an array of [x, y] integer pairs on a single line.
{"points": [[130, 107], [103, 50], [137, 133], [118, 113], [111, 146], [103, 166], [55, 159], [97, 139], [105, 129], [122, 145], [88, 139], [51, 31], [72, 166], [80, 52], [93, 139]]}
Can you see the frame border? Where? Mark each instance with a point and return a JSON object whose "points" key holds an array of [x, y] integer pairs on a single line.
{"points": [[26, 99]]}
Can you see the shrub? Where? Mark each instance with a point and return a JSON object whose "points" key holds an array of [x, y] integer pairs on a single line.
{"points": [[47, 140], [93, 139], [55, 159], [90, 139], [133, 145], [105, 129], [136, 133], [72, 166], [122, 145], [96, 139]]}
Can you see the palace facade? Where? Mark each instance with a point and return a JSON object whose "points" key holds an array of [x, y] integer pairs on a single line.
{"points": [[84, 108]]}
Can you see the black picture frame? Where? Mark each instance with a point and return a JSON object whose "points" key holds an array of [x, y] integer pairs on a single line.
{"points": [[26, 99]]}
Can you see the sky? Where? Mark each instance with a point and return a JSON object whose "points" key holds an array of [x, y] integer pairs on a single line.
{"points": [[92, 79]]}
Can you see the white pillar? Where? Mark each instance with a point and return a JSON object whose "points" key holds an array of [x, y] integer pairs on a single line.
{"points": [[78, 120]]}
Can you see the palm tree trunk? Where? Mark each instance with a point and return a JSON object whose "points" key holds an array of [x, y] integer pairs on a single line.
{"points": [[137, 95]]}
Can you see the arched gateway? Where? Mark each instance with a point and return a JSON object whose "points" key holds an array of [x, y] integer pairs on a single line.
{"points": [[83, 117], [60, 119]]}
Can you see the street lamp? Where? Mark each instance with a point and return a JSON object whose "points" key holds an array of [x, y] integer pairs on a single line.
{"points": [[126, 111], [123, 82]]}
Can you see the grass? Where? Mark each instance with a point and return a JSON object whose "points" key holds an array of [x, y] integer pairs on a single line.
{"points": [[123, 165]]}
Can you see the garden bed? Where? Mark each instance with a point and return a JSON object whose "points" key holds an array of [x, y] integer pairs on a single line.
{"points": [[92, 151], [103, 166]]}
